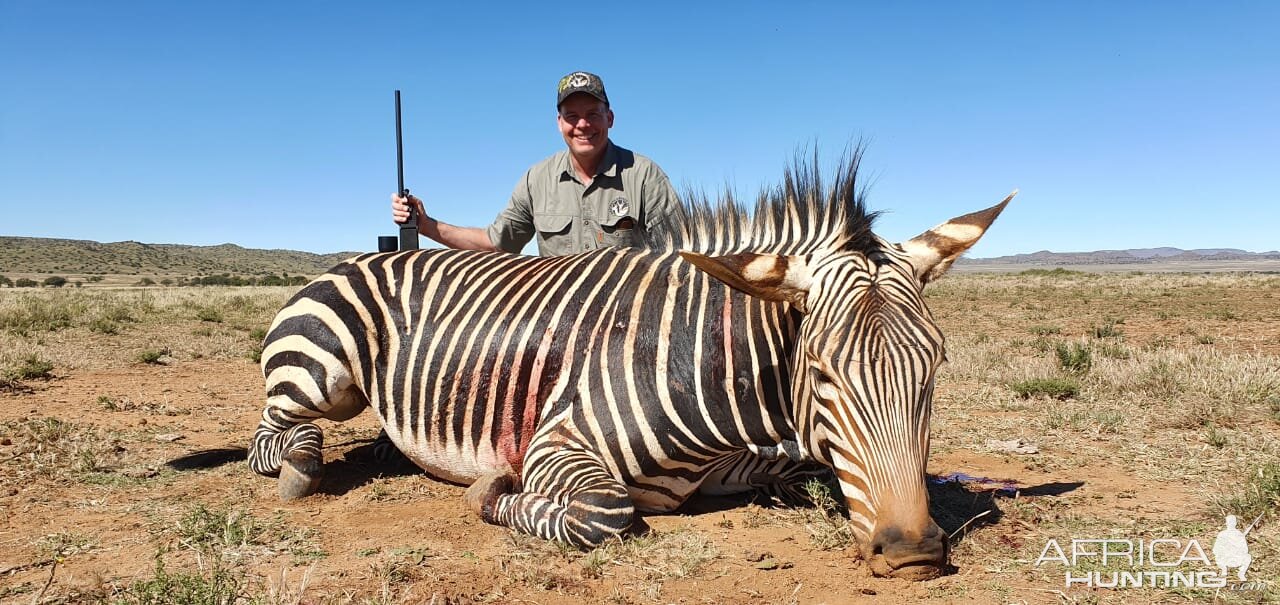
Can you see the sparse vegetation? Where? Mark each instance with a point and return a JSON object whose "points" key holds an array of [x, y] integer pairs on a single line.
{"points": [[826, 520], [218, 530], [1108, 329], [217, 584], [1155, 409], [1054, 387], [52, 449], [152, 356], [1055, 272], [1075, 357], [209, 314], [31, 367], [43, 256], [1259, 497]]}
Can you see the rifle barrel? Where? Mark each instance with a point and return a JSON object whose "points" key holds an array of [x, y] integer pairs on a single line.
{"points": [[409, 228], [399, 148]]}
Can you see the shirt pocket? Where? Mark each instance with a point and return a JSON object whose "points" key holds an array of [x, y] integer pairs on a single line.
{"points": [[621, 231], [555, 234]]}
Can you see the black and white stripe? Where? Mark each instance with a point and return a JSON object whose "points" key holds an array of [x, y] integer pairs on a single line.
{"points": [[625, 379]]}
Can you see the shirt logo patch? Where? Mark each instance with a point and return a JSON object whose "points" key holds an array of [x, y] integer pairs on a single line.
{"points": [[620, 207]]}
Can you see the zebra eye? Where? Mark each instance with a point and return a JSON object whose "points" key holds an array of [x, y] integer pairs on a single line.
{"points": [[823, 386]]}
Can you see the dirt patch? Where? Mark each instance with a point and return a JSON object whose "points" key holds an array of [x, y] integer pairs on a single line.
{"points": [[88, 500]]}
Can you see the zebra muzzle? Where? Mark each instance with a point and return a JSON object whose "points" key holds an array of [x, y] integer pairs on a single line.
{"points": [[909, 555]]}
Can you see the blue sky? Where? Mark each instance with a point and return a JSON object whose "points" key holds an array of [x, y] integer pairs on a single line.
{"points": [[270, 124]]}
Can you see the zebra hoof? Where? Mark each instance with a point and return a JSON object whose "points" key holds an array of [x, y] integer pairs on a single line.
{"points": [[299, 477], [483, 495]]}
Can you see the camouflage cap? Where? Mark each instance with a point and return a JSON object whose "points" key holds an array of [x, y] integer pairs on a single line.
{"points": [[580, 81]]}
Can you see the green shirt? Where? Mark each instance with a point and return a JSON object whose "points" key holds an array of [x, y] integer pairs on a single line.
{"points": [[628, 195]]}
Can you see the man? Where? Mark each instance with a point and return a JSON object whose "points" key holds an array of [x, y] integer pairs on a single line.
{"points": [[592, 195]]}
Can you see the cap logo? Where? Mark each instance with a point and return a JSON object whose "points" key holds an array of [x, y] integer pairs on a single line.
{"points": [[580, 81]]}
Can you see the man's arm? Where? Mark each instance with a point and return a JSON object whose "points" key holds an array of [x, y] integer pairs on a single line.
{"points": [[452, 236], [661, 199]]}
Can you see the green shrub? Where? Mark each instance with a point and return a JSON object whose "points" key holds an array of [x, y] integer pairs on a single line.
{"points": [[103, 325], [39, 314], [1075, 358], [25, 283], [217, 529], [152, 356], [1261, 496], [1045, 330], [30, 367], [55, 281], [1056, 388], [1108, 329], [209, 314], [219, 584]]}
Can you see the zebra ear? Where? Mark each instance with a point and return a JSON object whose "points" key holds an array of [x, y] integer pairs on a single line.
{"points": [[933, 251], [768, 276]]}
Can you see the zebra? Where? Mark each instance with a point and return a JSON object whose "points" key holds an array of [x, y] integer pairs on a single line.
{"points": [[740, 349]]}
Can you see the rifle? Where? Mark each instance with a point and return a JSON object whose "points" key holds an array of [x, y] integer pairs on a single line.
{"points": [[409, 228]]}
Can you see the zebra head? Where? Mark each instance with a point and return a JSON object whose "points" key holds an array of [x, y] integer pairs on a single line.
{"points": [[862, 375]]}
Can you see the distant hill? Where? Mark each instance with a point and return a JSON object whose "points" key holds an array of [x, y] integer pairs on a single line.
{"points": [[1137, 256], [45, 256], [38, 255]]}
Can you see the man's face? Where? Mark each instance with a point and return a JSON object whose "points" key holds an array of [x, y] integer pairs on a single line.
{"points": [[585, 122]]}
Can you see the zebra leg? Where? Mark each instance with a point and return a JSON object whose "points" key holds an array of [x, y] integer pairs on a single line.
{"points": [[482, 496], [777, 478], [385, 450], [570, 498], [287, 445]]}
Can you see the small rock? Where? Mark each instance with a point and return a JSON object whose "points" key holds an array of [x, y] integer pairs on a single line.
{"points": [[142, 422], [6, 441], [758, 556], [768, 564], [1013, 446], [868, 591], [168, 437]]}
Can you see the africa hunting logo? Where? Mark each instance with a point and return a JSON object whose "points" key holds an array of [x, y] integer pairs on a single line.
{"points": [[1156, 563]]}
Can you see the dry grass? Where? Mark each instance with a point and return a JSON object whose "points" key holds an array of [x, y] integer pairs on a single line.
{"points": [[1178, 380], [48, 448], [1176, 390], [101, 328]]}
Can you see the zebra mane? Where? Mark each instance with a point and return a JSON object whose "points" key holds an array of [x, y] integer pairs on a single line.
{"points": [[798, 217]]}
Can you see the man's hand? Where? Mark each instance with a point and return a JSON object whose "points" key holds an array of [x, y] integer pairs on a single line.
{"points": [[461, 238], [400, 207]]}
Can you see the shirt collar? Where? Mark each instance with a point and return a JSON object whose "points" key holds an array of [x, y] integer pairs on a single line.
{"points": [[608, 163]]}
